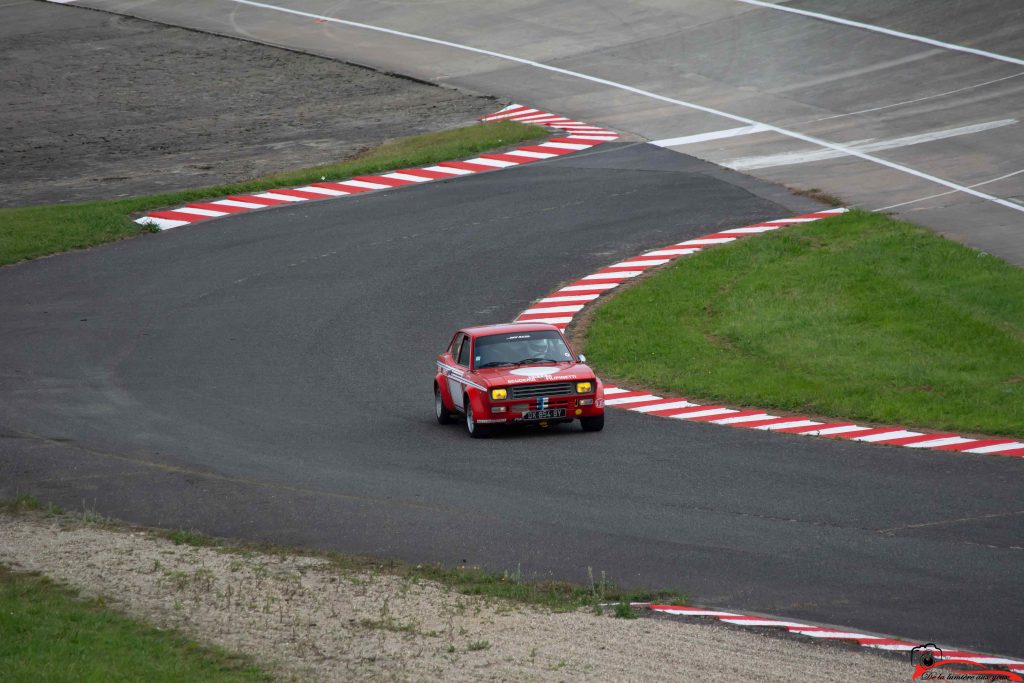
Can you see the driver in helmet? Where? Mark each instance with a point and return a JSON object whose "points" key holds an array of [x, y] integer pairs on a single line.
{"points": [[537, 348]]}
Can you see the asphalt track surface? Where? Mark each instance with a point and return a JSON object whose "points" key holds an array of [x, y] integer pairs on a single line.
{"points": [[267, 376], [929, 109]]}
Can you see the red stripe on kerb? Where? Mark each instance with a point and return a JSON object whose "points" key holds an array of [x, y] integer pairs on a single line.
{"points": [[800, 430], [535, 316], [226, 208], [574, 141], [379, 180], [672, 412], [916, 439], [257, 200], [465, 166], [865, 432], [509, 157], [816, 428], [345, 187], [973, 444], [424, 173], [652, 402], [175, 216], [766, 421], [1013, 451], [546, 150], [589, 284], [722, 416], [302, 194]]}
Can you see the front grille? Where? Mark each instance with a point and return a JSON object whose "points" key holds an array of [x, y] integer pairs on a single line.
{"points": [[548, 389]]}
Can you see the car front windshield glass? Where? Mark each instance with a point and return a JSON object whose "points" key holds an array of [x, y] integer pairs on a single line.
{"points": [[518, 348]]}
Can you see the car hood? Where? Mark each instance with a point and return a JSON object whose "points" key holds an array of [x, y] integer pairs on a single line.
{"points": [[531, 374]]}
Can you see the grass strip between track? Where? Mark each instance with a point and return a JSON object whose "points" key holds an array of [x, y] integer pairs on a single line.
{"points": [[31, 232], [858, 317]]}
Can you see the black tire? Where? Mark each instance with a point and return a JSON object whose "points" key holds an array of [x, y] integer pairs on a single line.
{"points": [[440, 412], [592, 424], [476, 430]]}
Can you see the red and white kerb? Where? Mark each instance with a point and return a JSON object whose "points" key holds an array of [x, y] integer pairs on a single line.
{"points": [[813, 631], [579, 136], [562, 306]]}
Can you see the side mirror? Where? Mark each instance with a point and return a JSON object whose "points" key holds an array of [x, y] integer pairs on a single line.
{"points": [[583, 359]]}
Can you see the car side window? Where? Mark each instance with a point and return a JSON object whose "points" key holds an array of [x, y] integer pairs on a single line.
{"points": [[456, 342], [464, 352]]}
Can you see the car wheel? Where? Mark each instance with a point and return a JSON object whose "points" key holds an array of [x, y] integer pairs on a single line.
{"points": [[477, 431], [442, 414], [592, 424]]}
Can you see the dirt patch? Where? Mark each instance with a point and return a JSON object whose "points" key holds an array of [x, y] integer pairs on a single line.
{"points": [[98, 106], [307, 619]]}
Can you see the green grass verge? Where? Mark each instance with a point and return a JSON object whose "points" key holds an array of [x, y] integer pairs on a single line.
{"points": [[857, 317], [48, 634], [32, 232]]}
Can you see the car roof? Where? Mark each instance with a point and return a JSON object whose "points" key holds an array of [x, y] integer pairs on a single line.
{"points": [[507, 328]]}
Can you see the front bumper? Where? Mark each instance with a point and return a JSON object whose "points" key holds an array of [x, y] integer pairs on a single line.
{"points": [[513, 411]]}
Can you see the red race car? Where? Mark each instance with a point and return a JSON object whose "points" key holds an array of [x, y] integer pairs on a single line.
{"points": [[517, 373]]}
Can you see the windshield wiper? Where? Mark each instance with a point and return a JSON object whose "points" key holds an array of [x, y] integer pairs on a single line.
{"points": [[494, 364], [536, 360]]}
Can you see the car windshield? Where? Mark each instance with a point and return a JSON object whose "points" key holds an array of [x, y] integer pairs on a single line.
{"points": [[519, 348]]}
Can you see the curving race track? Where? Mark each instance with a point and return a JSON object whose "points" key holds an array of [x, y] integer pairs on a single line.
{"points": [[268, 377]]}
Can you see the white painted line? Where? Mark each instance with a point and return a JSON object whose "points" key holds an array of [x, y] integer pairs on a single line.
{"points": [[322, 190], [162, 223], [621, 275], [406, 176], [241, 205], [532, 155], [943, 194], [706, 242], [497, 163], [935, 443], [840, 430], [787, 425], [596, 285], [645, 93], [550, 321], [807, 156], [845, 635], [672, 252], [705, 137], [669, 405], [630, 399], [746, 418], [641, 264], [887, 436], [201, 212], [564, 145], [763, 622], [449, 170], [996, 448], [696, 612], [553, 309], [567, 299], [749, 231], [282, 197], [703, 413], [886, 31], [363, 183]]}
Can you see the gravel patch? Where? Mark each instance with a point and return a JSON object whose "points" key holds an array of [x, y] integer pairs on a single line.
{"points": [[98, 106], [307, 619]]}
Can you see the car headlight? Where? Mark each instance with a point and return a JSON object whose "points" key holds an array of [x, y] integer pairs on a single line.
{"points": [[584, 387], [499, 394]]}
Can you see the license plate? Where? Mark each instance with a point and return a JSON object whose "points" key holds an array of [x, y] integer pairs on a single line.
{"points": [[543, 414]]}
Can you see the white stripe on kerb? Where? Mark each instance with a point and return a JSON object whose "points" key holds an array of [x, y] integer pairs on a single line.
{"points": [[764, 622], [363, 183], [714, 135], [645, 93], [577, 297], [449, 170], [638, 264], [497, 163], [887, 436], [531, 155], [621, 275], [282, 197], [664, 406], [745, 418], [935, 443], [553, 309], [564, 145], [322, 190], [615, 390], [672, 252], [996, 448], [596, 285], [630, 399], [704, 413], [841, 430], [787, 425], [241, 205], [549, 321], [406, 176], [201, 212]]}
